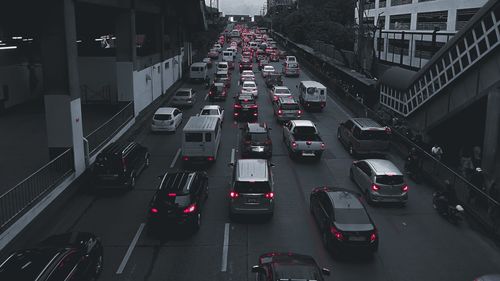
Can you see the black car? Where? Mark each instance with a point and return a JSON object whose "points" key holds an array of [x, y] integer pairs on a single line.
{"points": [[343, 220], [218, 91], [119, 164], [69, 256], [288, 266], [245, 107], [246, 64], [179, 201], [256, 140], [274, 79]]}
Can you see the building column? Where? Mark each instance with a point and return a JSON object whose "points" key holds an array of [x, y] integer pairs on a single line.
{"points": [[59, 56], [451, 23], [126, 55], [491, 143]]}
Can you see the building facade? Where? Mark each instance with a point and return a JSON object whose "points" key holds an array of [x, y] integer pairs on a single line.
{"points": [[409, 32]]}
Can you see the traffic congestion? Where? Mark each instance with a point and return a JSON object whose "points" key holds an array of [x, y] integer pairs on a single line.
{"points": [[253, 171]]}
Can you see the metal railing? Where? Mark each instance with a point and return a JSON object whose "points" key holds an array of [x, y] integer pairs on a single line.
{"points": [[432, 25], [106, 131], [477, 203], [25, 194]]}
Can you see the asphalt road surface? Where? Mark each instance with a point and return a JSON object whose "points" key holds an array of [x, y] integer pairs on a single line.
{"points": [[415, 242]]}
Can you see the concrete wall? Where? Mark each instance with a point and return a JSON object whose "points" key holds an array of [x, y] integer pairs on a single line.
{"points": [[17, 79], [96, 73]]}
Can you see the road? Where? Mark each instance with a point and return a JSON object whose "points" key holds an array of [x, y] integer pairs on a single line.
{"points": [[415, 242]]}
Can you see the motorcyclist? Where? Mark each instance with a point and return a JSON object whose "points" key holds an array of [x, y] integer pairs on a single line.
{"points": [[446, 198], [412, 160]]}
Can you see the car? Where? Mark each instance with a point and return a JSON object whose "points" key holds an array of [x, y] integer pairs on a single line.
{"points": [[291, 69], [489, 277], [290, 59], [380, 181], [262, 63], [364, 136], [260, 55], [276, 266], [184, 97], [252, 188], [218, 47], [223, 77], [269, 50], [302, 138], [249, 87], [67, 256], [274, 79], [245, 107], [213, 54], [213, 110], [119, 164], [179, 201], [247, 54], [274, 57], [343, 220], [245, 64], [277, 92], [287, 108], [166, 119], [256, 140], [217, 91], [267, 70], [222, 66], [208, 61], [247, 75]]}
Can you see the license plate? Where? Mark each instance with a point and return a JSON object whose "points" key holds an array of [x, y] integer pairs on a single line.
{"points": [[357, 238], [245, 109], [258, 149], [252, 200]]}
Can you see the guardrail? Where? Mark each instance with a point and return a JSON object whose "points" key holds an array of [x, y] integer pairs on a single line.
{"points": [[106, 131], [476, 201], [25, 194]]}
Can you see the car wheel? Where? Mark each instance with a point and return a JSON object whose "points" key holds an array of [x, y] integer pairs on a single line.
{"points": [[98, 266]]}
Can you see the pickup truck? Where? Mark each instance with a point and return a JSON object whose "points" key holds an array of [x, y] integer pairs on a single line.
{"points": [[302, 138]]}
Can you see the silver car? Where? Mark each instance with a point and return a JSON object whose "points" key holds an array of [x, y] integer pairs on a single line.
{"points": [[251, 189], [380, 180], [184, 97]]}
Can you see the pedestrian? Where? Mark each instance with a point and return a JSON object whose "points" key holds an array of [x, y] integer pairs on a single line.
{"points": [[476, 156], [437, 152]]}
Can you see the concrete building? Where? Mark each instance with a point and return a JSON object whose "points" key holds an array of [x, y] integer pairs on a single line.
{"points": [[409, 32]]}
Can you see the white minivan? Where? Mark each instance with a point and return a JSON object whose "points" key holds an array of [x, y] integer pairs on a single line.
{"points": [[228, 56], [312, 95], [199, 71], [201, 138]]}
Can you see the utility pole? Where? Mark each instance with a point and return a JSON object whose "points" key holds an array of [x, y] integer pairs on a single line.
{"points": [[361, 33]]}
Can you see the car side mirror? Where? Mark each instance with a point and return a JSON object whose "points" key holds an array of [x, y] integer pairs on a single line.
{"points": [[257, 269], [325, 271]]}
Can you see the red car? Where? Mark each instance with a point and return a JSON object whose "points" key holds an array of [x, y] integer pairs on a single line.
{"points": [[246, 64]]}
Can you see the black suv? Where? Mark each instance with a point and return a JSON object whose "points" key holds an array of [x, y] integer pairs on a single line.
{"points": [[245, 107], [256, 140], [179, 200], [274, 79], [119, 164], [343, 220], [288, 266], [69, 256], [246, 64]]}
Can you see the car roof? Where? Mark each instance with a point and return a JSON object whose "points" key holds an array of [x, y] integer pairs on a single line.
{"points": [[249, 82], [252, 170], [281, 88], [312, 84], [257, 127], [29, 264], [222, 62], [383, 167], [177, 182], [165, 110], [201, 123], [211, 106], [303, 123], [118, 148], [222, 72], [185, 90], [344, 199], [367, 123], [280, 257]]}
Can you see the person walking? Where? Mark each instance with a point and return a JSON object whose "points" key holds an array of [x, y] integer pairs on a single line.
{"points": [[437, 152]]}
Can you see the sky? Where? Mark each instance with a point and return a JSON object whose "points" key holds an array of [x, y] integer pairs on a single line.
{"points": [[239, 7]]}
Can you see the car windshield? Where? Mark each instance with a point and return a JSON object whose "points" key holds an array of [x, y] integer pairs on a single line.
{"points": [[252, 187], [221, 75], [162, 117], [182, 94], [390, 179], [351, 216], [304, 130], [296, 272], [210, 112], [290, 106]]}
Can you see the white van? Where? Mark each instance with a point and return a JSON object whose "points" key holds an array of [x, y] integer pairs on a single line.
{"points": [[229, 57], [201, 139], [312, 94], [254, 45], [199, 71]]}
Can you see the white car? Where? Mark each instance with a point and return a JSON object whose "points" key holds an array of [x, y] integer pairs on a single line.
{"points": [[290, 59], [247, 75], [218, 47], [184, 97], [166, 119], [222, 66], [267, 69], [249, 87], [213, 110], [279, 91]]}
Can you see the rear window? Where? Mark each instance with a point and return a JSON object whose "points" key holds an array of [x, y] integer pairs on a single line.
{"points": [[351, 216], [290, 106], [222, 65], [228, 54], [162, 117], [108, 162], [221, 76], [306, 130], [194, 137], [292, 65], [311, 90], [252, 187], [210, 112], [296, 272], [282, 91], [182, 94], [257, 137], [196, 68], [249, 85], [373, 135], [390, 180]]}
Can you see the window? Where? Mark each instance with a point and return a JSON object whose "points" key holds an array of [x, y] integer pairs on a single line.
{"points": [[167, 65], [194, 137], [380, 44], [463, 16], [351, 216], [252, 187], [400, 22], [208, 137], [400, 2], [432, 21], [398, 46], [162, 117], [390, 180], [349, 124]]}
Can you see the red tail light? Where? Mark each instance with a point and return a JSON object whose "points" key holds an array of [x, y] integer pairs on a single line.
{"points": [[405, 188], [237, 106], [280, 112], [294, 144], [323, 146], [299, 112], [254, 106], [375, 187], [248, 142], [210, 158], [191, 208], [388, 130], [336, 233], [269, 195], [172, 195], [373, 236], [234, 194], [275, 98], [236, 114], [185, 158], [154, 211]]}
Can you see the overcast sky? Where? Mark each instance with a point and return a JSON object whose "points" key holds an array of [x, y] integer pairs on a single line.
{"points": [[239, 7]]}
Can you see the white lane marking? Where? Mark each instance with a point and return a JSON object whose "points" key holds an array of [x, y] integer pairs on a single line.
{"points": [[225, 248], [232, 156], [175, 158], [130, 249], [206, 97]]}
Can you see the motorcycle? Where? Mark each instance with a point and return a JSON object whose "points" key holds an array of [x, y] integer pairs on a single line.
{"points": [[452, 213], [412, 168]]}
